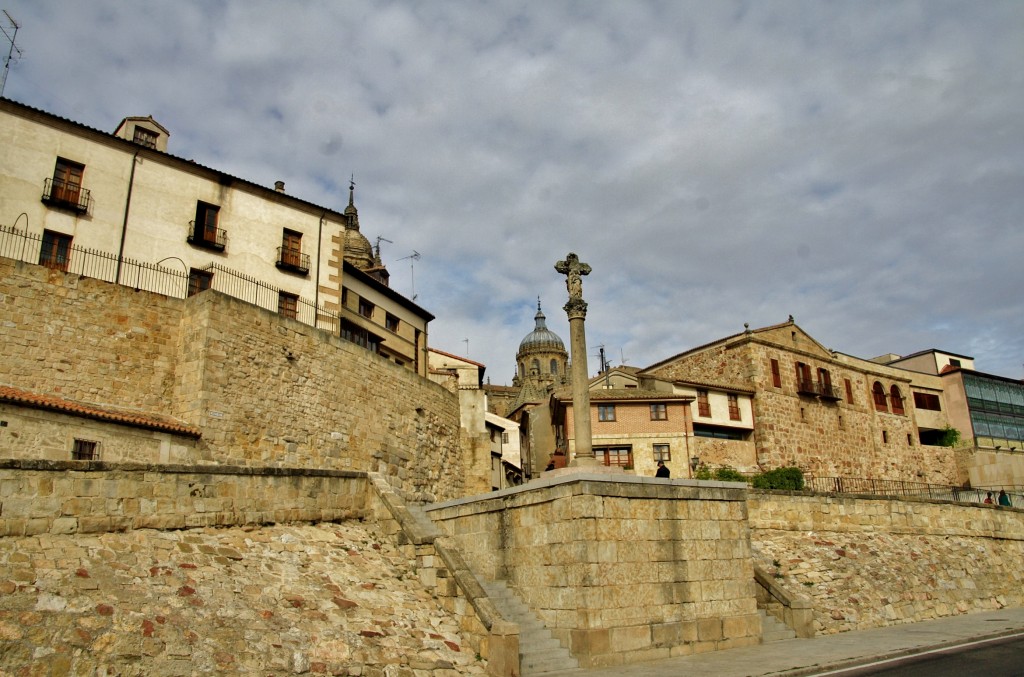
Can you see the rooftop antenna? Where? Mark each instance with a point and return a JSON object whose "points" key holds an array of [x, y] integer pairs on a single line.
{"points": [[379, 240], [413, 258], [621, 358], [12, 50], [466, 341]]}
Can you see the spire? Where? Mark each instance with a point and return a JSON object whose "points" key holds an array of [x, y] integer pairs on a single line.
{"points": [[539, 318], [350, 211]]}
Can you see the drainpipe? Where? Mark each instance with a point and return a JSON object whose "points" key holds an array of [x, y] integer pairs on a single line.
{"points": [[316, 290], [124, 225]]}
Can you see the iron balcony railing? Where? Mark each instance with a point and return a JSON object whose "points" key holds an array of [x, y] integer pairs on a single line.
{"points": [[210, 238], [66, 195], [825, 391], [290, 259]]}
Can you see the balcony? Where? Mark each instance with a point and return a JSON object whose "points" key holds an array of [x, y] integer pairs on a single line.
{"points": [[825, 391], [208, 238], [292, 260], [806, 386], [64, 195]]}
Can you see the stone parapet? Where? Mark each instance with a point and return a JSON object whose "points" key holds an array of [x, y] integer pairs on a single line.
{"points": [[65, 497], [620, 569]]}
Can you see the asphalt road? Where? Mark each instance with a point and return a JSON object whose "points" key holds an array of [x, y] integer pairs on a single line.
{"points": [[1002, 657]]}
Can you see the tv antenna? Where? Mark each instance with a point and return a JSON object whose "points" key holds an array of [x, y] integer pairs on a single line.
{"points": [[379, 240], [413, 258], [12, 50], [466, 341]]}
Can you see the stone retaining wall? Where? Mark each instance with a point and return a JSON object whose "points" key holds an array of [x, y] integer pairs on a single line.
{"points": [[67, 497], [620, 570], [261, 389], [867, 562]]}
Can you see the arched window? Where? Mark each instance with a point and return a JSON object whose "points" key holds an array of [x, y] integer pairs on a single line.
{"points": [[522, 369], [897, 400], [536, 366], [554, 367], [878, 394]]}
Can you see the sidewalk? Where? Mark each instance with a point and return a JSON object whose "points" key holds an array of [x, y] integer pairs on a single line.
{"points": [[794, 657]]}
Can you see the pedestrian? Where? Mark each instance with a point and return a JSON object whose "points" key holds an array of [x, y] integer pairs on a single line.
{"points": [[988, 498], [662, 471], [1004, 499]]}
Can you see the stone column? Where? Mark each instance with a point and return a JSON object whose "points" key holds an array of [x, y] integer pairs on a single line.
{"points": [[576, 309]]}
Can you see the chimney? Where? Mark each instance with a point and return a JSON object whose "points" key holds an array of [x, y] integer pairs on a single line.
{"points": [[279, 186]]}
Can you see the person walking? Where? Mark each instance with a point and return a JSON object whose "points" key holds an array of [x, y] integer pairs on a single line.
{"points": [[1004, 499], [662, 471]]}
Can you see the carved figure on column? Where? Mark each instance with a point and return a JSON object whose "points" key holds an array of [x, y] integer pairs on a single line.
{"points": [[574, 270]]}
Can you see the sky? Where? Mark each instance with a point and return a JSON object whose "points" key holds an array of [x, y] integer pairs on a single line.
{"points": [[857, 165]]}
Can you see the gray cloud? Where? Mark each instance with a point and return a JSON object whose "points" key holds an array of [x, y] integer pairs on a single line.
{"points": [[859, 165]]}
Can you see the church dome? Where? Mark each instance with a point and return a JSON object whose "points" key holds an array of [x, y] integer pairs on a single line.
{"points": [[541, 337]]}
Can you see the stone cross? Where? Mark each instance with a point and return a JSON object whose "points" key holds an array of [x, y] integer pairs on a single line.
{"points": [[576, 309], [574, 270]]}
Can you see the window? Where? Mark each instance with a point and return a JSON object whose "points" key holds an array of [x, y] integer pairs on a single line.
{"points": [[659, 412], [391, 322], [288, 304], [205, 232], [804, 384], [366, 309], [703, 406], [344, 297], [554, 367], [849, 391], [56, 251], [199, 280], [360, 337], [734, 408], [885, 437], [702, 430], [776, 374], [289, 255], [504, 437], [897, 400], [65, 188], [145, 137], [878, 395], [927, 401], [606, 412], [662, 453], [618, 456], [954, 362], [84, 450]]}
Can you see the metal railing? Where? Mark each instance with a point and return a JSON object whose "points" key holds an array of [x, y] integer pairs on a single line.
{"points": [[904, 489], [290, 259], [153, 277], [211, 238], [69, 195]]}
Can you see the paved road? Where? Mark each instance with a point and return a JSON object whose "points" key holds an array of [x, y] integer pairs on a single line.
{"points": [[992, 658], [797, 657]]}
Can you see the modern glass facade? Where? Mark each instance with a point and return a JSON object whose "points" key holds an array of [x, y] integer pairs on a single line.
{"points": [[997, 411]]}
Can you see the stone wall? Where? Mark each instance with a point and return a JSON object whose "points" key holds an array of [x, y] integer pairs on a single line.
{"points": [[822, 436], [262, 389], [868, 562], [620, 570], [65, 497]]}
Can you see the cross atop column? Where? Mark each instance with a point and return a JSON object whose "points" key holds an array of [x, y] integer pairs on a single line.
{"points": [[574, 270]]}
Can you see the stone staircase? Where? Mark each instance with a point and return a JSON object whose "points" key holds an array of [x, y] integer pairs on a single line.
{"points": [[539, 652], [772, 629]]}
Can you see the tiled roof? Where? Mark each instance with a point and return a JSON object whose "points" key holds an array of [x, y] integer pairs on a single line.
{"points": [[619, 394], [456, 357], [137, 419], [715, 384]]}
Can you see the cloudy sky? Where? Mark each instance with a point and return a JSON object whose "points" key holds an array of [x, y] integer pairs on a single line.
{"points": [[859, 165]]}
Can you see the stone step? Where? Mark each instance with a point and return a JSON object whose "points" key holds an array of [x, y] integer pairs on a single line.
{"points": [[539, 652], [774, 630]]}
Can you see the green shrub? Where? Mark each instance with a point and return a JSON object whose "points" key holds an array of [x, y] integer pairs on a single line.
{"points": [[950, 437], [723, 474], [791, 479]]}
